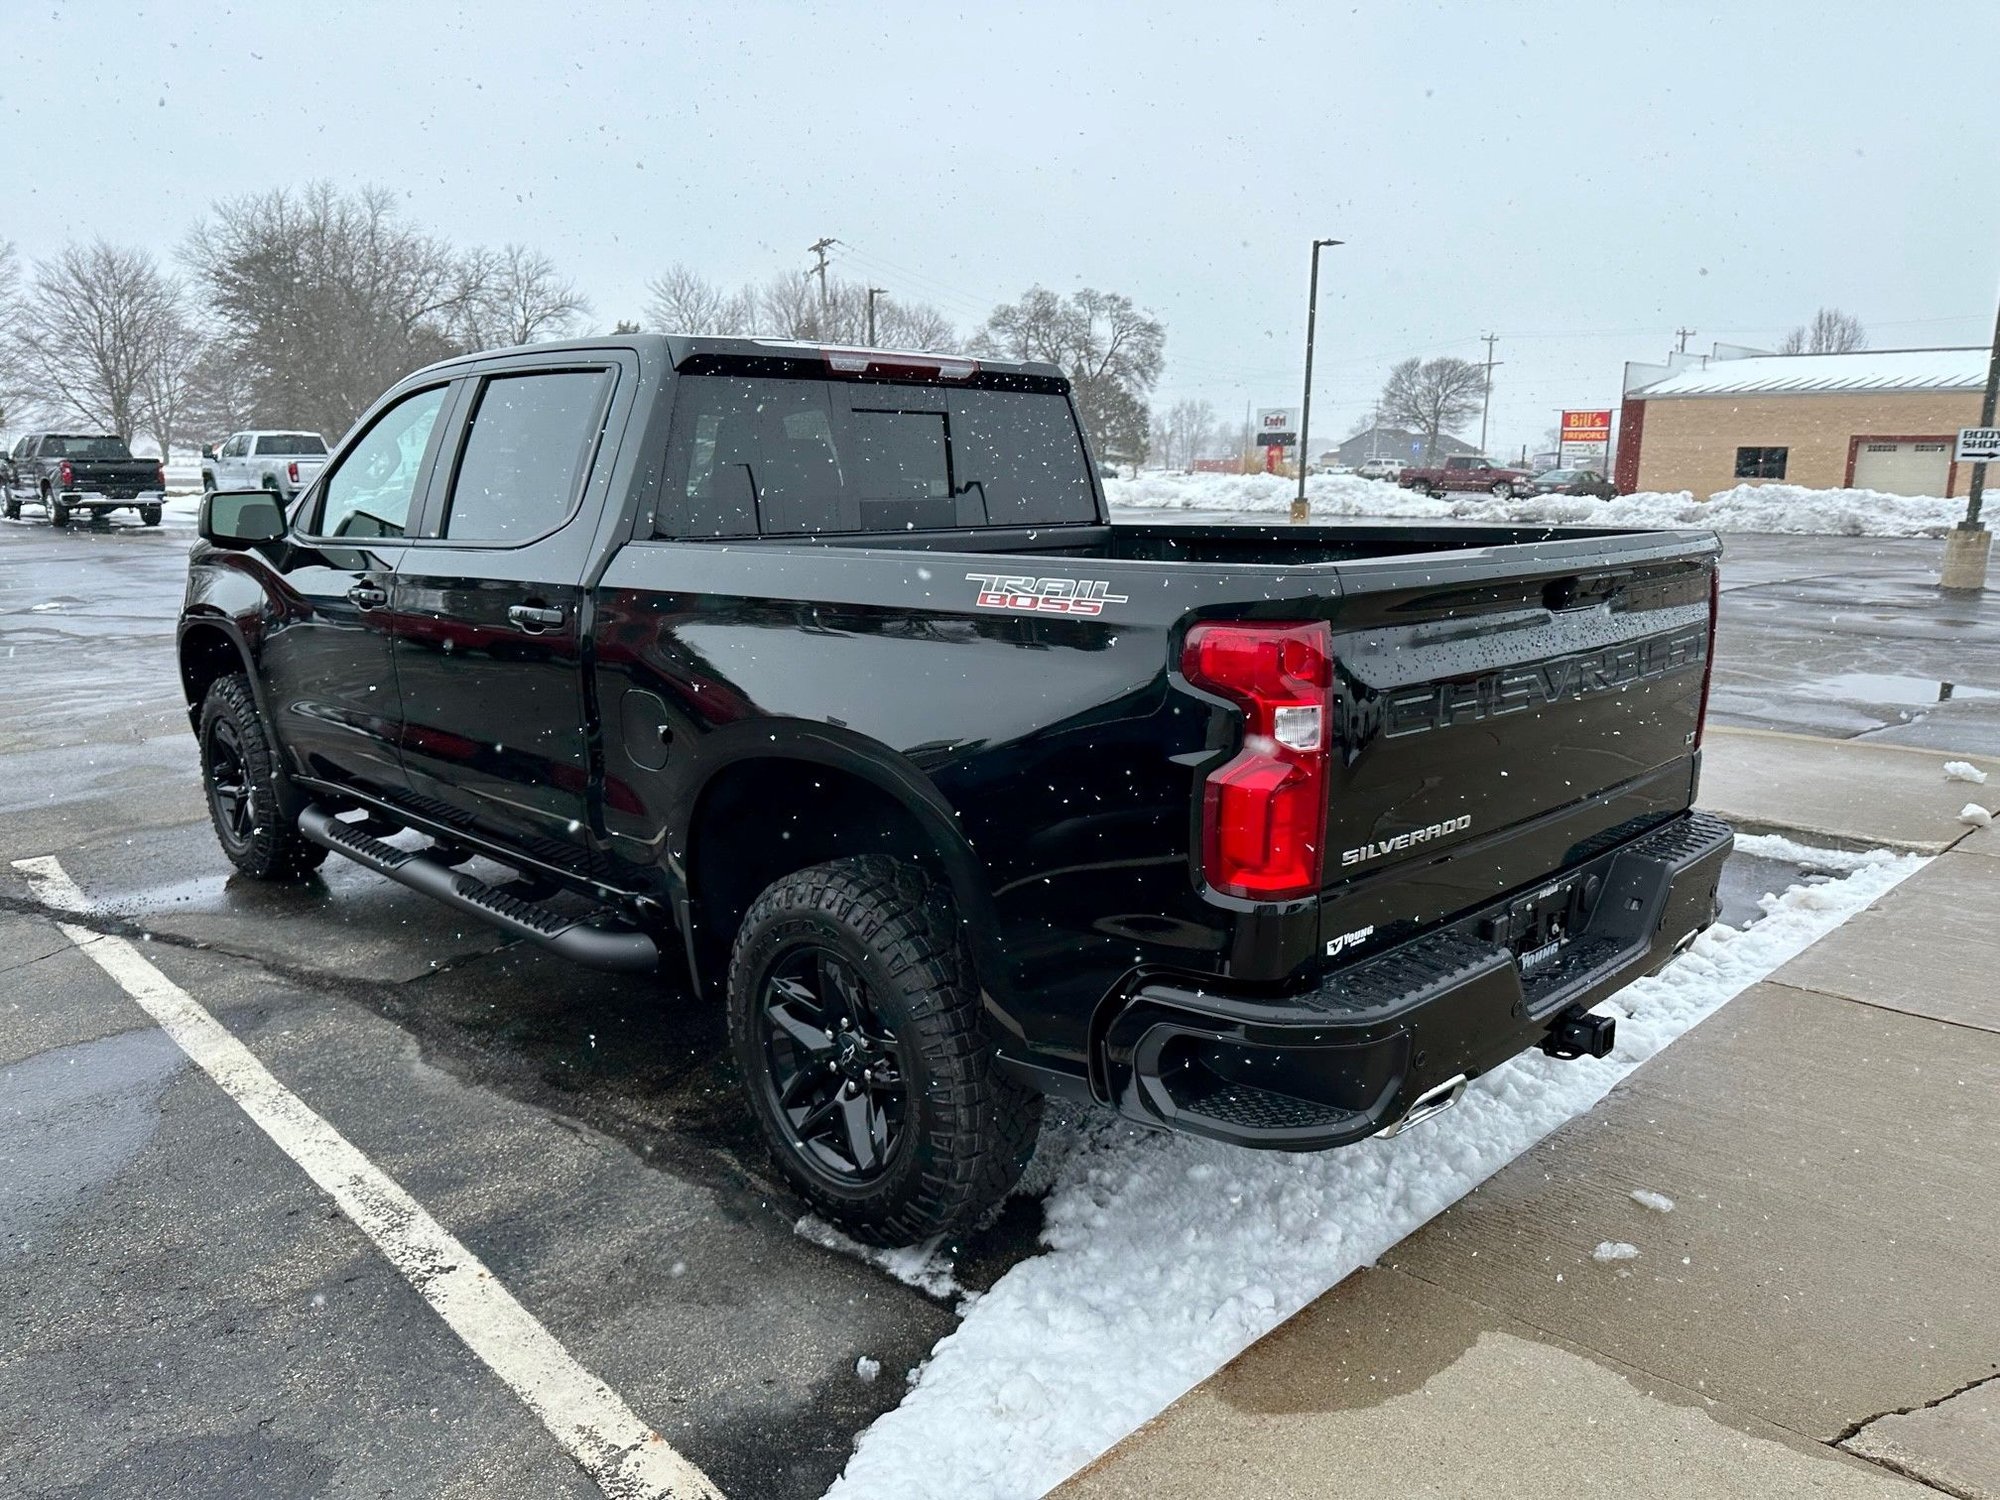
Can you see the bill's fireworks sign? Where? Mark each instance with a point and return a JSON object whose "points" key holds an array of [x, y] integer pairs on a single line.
{"points": [[1586, 439]]}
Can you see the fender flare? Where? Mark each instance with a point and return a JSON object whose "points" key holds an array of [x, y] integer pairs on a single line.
{"points": [[889, 772]]}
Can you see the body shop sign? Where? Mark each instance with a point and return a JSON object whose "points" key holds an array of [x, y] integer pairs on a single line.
{"points": [[1586, 439]]}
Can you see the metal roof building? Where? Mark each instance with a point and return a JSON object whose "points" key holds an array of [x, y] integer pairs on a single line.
{"points": [[1881, 419]]}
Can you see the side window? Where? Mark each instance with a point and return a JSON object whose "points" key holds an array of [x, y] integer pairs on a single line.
{"points": [[525, 454], [234, 447], [744, 449], [369, 492], [1761, 463]]}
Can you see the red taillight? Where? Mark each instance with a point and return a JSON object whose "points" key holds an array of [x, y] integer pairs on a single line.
{"points": [[160, 478], [65, 476], [292, 470], [1264, 813], [1708, 661]]}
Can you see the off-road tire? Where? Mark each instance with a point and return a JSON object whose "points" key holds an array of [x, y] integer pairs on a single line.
{"points": [[149, 515], [58, 512], [968, 1128], [207, 482], [270, 846], [10, 504]]}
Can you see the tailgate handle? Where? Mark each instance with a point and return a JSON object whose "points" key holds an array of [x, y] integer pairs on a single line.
{"points": [[1559, 593]]}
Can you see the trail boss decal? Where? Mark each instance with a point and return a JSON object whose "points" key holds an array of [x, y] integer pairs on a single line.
{"points": [[1402, 841], [1044, 596]]}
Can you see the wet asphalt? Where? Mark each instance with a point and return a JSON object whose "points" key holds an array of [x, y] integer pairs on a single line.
{"points": [[183, 1314]]}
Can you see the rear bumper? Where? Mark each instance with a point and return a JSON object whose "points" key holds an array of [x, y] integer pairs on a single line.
{"points": [[1346, 1060]]}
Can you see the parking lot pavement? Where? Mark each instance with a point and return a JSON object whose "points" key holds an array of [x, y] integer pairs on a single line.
{"points": [[1849, 637], [182, 1298]]}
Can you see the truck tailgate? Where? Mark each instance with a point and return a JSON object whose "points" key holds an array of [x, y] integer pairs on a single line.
{"points": [[1495, 725]]}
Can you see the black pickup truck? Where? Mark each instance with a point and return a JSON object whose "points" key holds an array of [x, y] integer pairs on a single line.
{"points": [[64, 472], [824, 670]]}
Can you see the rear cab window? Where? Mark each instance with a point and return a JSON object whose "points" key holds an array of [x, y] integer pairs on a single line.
{"points": [[761, 455], [291, 444]]}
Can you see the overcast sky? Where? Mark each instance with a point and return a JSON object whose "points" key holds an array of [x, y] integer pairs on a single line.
{"points": [[1580, 179]]}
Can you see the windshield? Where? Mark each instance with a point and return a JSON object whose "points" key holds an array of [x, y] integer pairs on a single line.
{"points": [[85, 447], [300, 444]]}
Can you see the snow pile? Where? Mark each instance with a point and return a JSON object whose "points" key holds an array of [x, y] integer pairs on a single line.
{"points": [[1975, 815], [1167, 1255], [1614, 1250], [1765, 507], [1659, 1203], [1964, 770], [1330, 494]]}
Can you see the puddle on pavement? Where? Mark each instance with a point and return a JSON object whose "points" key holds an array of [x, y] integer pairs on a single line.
{"points": [[1905, 692]]}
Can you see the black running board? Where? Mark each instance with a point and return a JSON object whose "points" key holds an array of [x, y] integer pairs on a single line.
{"points": [[618, 950]]}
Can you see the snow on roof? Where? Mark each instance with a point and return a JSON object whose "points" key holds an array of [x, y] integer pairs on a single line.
{"points": [[1803, 374]]}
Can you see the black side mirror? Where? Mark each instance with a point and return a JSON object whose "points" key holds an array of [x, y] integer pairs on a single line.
{"points": [[208, 450], [241, 518]]}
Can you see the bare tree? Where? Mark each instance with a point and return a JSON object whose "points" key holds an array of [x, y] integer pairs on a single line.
{"points": [[910, 325], [1191, 424], [328, 298], [516, 296], [168, 388], [685, 301], [1112, 351], [1432, 397], [221, 395], [92, 333], [13, 388], [1831, 331]]}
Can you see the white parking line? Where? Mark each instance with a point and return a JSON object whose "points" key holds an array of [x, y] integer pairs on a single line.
{"points": [[628, 1459]]}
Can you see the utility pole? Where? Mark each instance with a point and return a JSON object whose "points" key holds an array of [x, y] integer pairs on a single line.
{"points": [[819, 247], [1968, 544], [1684, 334], [873, 293], [1486, 401], [1300, 510]]}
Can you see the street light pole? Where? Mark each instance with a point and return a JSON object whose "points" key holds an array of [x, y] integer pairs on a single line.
{"points": [[1300, 510], [1968, 545]]}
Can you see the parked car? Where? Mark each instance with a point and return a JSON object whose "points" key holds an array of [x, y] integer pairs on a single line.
{"points": [[1380, 468], [1466, 473], [1573, 482], [823, 673], [65, 472], [281, 462]]}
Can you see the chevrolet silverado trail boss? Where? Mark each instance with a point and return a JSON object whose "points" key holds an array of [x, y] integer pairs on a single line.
{"points": [[824, 670], [65, 472]]}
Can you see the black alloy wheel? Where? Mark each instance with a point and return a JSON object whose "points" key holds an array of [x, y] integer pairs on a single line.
{"points": [[833, 1072], [859, 1030], [231, 798]]}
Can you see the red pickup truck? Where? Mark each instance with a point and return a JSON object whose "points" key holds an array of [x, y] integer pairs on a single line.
{"points": [[1468, 472]]}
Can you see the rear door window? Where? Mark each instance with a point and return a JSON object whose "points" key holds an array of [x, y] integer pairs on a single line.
{"points": [[776, 457], [527, 448]]}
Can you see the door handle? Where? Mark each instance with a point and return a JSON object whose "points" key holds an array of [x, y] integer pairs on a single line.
{"points": [[366, 596], [534, 618]]}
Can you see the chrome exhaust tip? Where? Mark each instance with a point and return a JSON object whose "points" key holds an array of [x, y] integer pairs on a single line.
{"points": [[1430, 1104]]}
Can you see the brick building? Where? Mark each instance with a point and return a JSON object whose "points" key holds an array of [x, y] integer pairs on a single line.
{"points": [[1878, 419]]}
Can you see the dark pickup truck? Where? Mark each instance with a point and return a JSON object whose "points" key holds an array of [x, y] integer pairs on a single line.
{"points": [[824, 670], [65, 472]]}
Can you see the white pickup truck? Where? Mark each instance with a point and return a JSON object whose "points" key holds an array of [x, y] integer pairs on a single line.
{"points": [[283, 462]]}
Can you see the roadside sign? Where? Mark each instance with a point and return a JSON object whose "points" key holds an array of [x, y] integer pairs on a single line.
{"points": [[1585, 441], [1979, 445], [1277, 427]]}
